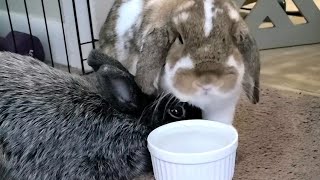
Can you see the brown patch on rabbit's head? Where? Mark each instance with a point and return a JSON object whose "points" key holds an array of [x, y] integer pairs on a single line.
{"points": [[205, 61], [160, 12]]}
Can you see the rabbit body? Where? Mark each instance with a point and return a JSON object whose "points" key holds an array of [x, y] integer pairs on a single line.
{"points": [[54, 125], [201, 51]]}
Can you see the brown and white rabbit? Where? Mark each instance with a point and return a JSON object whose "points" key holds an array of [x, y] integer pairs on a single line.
{"points": [[201, 51]]}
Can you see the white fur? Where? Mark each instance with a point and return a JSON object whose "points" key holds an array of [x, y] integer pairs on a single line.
{"points": [[225, 110], [176, 20], [133, 68], [233, 13], [153, 3], [232, 62], [216, 105], [129, 17], [167, 80], [185, 6], [182, 17], [183, 63], [145, 32], [208, 24], [156, 81], [238, 66]]}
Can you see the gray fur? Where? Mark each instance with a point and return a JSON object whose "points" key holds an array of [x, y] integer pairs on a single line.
{"points": [[115, 83], [54, 125]]}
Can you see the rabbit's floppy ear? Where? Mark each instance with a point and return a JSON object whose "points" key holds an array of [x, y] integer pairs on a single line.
{"points": [[115, 83], [119, 89], [251, 59], [96, 59]]}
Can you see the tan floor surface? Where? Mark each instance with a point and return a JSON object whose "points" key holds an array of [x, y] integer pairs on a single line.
{"points": [[295, 68]]}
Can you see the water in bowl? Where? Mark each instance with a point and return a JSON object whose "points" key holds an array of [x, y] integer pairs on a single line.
{"points": [[192, 140]]}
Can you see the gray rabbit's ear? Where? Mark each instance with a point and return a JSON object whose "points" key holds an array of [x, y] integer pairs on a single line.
{"points": [[96, 59], [251, 59], [119, 89]]}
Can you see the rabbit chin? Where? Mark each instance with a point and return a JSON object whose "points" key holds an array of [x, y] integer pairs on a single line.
{"points": [[199, 97], [203, 99], [215, 104]]}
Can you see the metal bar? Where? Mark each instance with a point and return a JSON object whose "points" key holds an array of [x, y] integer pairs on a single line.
{"points": [[87, 73], [78, 34], [94, 40], [48, 36], [90, 22], [10, 21], [64, 36], [30, 31]]}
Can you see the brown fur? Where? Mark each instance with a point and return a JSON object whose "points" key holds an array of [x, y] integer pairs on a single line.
{"points": [[209, 67], [107, 37], [160, 46]]}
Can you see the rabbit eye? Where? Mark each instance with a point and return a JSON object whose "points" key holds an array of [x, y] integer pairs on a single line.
{"points": [[180, 39], [177, 112]]}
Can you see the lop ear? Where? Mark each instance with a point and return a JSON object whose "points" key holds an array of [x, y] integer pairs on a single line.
{"points": [[115, 83], [117, 86], [119, 89], [247, 46], [116, 89], [96, 59]]}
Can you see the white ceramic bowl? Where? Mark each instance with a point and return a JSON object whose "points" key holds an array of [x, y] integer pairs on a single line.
{"points": [[193, 150]]}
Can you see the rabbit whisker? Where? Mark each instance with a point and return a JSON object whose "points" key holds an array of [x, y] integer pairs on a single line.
{"points": [[168, 102], [159, 100]]}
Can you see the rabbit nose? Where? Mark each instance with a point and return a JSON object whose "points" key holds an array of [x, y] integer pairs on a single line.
{"points": [[205, 87]]}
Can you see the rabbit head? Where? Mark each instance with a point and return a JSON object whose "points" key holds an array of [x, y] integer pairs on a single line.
{"points": [[212, 54], [201, 51]]}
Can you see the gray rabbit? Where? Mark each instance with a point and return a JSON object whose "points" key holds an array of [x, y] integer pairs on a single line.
{"points": [[55, 125]]}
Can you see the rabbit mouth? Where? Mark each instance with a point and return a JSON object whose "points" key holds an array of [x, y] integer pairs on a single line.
{"points": [[197, 95]]}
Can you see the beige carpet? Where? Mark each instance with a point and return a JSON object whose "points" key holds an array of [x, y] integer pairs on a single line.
{"points": [[279, 138]]}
